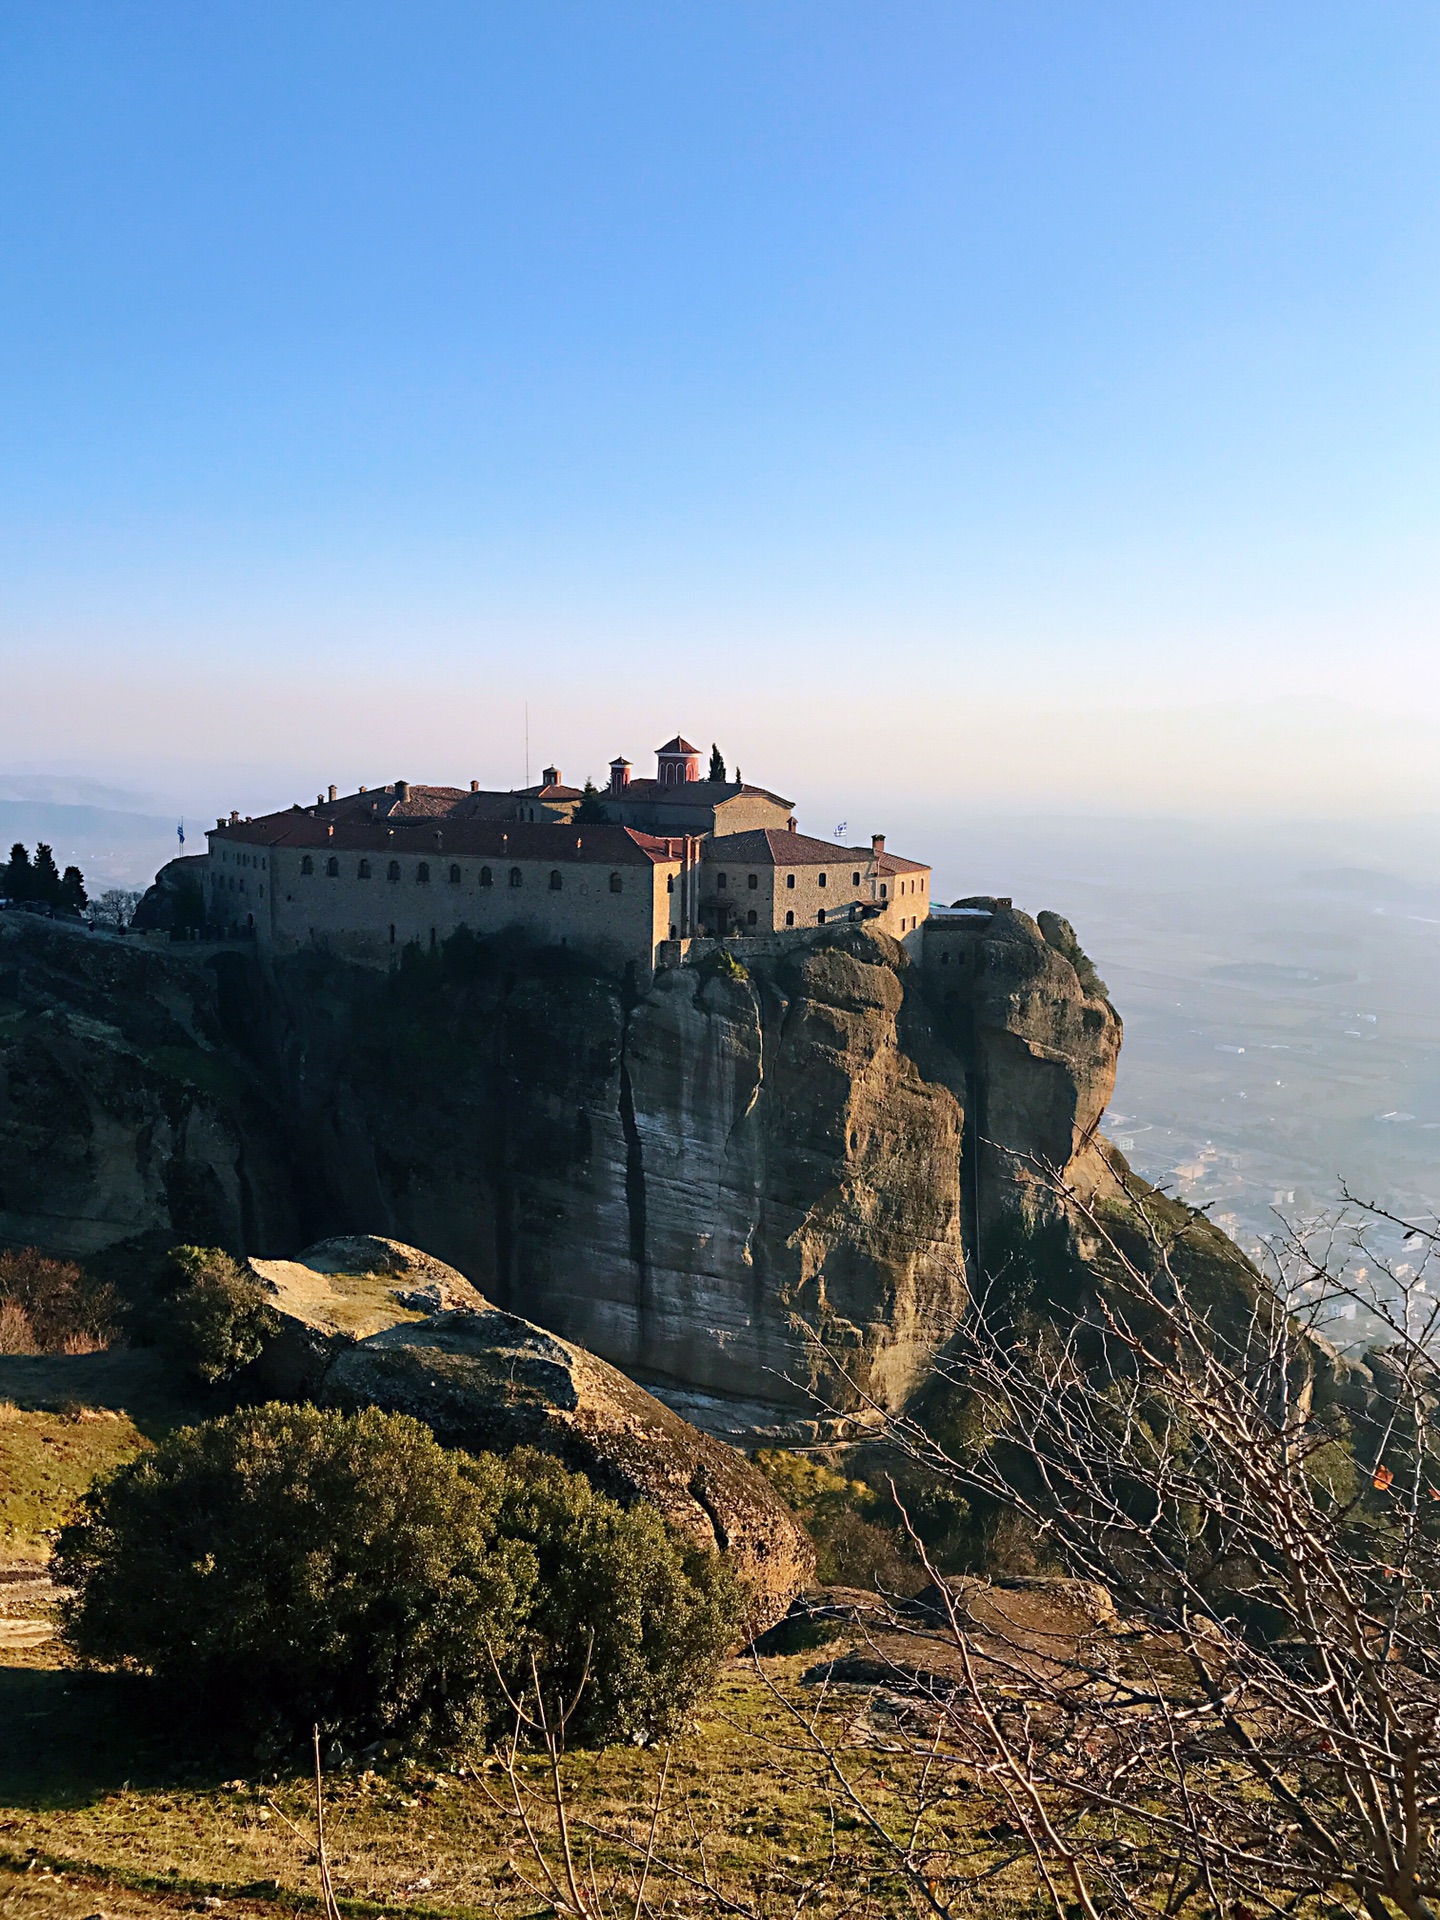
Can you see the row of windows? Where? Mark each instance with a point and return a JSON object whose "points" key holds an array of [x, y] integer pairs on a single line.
{"points": [[241, 859], [485, 878], [752, 881]]}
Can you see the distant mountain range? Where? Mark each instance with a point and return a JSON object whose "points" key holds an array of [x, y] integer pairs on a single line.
{"points": [[113, 845]]}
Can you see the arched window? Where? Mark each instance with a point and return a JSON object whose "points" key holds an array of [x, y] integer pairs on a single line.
{"points": [[392, 936], [555, 881], [750, 918], [753, 882], [454, 876], [854, 879], [332, 868], [670, 884], [883, 890], [821, 878], [362, 872], [422, 872], [790, 881], [820, 918], [515, 876], [393, 872], [944, 959], [721, 881], [617, 885], [487, 879], [790, 919], [307, 865]]}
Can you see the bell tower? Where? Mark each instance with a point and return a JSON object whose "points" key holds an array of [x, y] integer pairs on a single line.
{"points": [[677, 762]]}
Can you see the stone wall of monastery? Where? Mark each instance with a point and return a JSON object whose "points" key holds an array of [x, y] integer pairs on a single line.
{"points": [[371, 919]]}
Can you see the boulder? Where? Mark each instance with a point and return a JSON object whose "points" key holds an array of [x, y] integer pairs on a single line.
{"points": [[344, 1290], [488, 1381]]}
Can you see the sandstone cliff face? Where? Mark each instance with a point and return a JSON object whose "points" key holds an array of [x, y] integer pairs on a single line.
{"points": [[122, 1110], [678, 1181], [1044, 1044], [670, 1182]]}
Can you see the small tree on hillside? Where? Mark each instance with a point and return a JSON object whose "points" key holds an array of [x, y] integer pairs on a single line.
{"points": [[717, 764], [73, 896], [45, 876], [116, 905], [19, 876]]}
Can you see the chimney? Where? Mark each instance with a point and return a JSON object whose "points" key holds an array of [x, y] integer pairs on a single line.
{"points": [[319, 799], [619, 775], [330, 829], [332, 790], [234, 816], [221, 821], [877, 844], [474, 786], [402, 789], [551, 777], [364, 789]]}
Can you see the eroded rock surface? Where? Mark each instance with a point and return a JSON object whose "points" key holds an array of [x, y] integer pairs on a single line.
{"points": [[681, 1180], [490, 1382], [125, 1110], [343, 1290]]}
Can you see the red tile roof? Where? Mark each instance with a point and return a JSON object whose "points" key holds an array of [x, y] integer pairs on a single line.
{"points": [[496, 839], [693, 793], [677, 745], [774, 846]]}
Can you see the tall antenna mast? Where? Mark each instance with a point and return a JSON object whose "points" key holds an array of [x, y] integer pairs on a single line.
{"points": [[527, 743]]}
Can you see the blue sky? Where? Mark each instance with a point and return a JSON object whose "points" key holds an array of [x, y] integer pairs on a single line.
{"points": [[1036, 404]]}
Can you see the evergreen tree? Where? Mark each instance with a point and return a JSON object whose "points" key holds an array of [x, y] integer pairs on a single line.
{"points": [[18, 875], [717, 765], [73, 896], [45, 876], [590, 813]]}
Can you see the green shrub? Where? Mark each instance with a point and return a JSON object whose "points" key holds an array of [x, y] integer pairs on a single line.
{"points": [[282, 1567], [652, 1613], [847, 1520], [217, 1319], [1059, 934]]}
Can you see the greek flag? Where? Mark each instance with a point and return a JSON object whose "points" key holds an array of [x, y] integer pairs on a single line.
{"points": [[180, 833], [842, 829]]}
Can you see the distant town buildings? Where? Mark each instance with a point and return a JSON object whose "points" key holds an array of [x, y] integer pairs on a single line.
{"points": [[622, 873]]}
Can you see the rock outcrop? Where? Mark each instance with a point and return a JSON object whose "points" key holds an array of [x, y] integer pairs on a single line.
{"points": [[340, 1291], [682, 1180], [490, 1382], [125, 1111]]}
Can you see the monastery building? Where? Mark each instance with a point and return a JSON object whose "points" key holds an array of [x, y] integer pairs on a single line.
{"points": [[628, 875]]}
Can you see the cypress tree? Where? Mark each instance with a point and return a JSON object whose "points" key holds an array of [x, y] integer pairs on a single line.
{"points": [[590, 812], [18, 875], [45, 876], [717, 765], [73, 896]]}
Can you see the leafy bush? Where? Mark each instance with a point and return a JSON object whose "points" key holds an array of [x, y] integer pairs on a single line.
{"points": [[854, 1547], [218, 1318], [53, 1306], [650, 1612], [282, 1567], [1059, 934]]}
